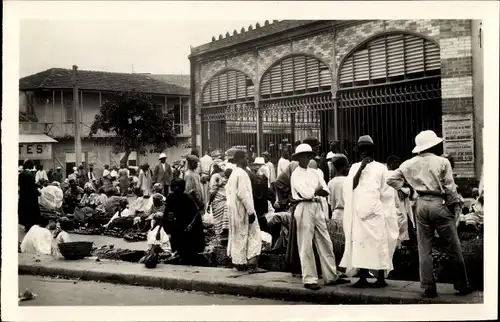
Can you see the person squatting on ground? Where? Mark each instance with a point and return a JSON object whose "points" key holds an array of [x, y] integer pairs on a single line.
{"points": [[438, 206], [370, 222], [308, 189], [244, 243]]}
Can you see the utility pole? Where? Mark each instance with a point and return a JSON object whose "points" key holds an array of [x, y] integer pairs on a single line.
{"points": [[77, 114]]}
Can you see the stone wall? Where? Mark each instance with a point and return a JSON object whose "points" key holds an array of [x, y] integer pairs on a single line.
{"points": [[453, 37]]}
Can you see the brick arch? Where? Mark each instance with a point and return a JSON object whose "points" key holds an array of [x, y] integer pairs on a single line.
{"points": [[298, 58], [428, 43], [237, 76]]}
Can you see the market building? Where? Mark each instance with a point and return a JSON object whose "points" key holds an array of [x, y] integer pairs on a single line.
{"points": [[337, 80], [47, 128]]}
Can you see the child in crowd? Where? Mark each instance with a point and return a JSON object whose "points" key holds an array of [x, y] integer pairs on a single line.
{"points": [[60, 236]]}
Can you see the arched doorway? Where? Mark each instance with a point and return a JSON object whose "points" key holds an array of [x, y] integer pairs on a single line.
{"points": [[295, 102], [228, 111], [389, 88]]}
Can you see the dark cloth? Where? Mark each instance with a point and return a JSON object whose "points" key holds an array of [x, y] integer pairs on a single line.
{"points": [[28, 209], [124, 184], [57, 176], [82, 178], [72, 198], [260, 194], [323, 166], [183, 208]]}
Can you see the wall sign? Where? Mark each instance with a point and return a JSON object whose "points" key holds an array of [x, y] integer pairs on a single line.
{"points": [[35, 151], [458, 132]]}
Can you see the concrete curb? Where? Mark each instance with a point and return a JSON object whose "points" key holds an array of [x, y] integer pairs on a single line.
{"points": [[232, 286]]}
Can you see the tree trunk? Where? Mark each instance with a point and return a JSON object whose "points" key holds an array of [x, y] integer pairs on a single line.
{"points": [[124, 159]]}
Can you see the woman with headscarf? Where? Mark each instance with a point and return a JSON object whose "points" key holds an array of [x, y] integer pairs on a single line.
{"points": [[217, 201], [370, 221], [183, 222], [192, 181], [28, 208], [91, 204]]}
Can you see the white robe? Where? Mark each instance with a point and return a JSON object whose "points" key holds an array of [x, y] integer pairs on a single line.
{"points": [[370, 221], [244, 240], [38, 240]]}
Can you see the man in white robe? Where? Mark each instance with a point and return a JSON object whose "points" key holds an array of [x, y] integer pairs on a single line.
{"points": [[206, 163], [244, 242], [309, 191], [370, 220], [270, 165]]}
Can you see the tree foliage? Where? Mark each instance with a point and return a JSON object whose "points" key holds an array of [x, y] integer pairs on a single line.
{"points": [[136, 124]]}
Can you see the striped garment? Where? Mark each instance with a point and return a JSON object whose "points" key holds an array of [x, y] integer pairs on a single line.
{"points": [[219, 206]]}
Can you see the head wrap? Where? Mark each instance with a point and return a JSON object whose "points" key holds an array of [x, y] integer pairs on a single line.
{"points": [[55, 183], [105, 173], [157, 187]]}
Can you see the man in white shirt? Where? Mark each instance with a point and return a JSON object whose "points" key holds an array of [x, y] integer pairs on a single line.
{"points": [[41, 175], [283, 162], [308, 191]]}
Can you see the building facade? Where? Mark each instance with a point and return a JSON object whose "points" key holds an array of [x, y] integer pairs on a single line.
{"points": [[337, 80], [47, 127]]}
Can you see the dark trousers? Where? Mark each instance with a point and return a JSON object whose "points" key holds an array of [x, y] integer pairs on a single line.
{"points": [[433, 214], [166, 189]]}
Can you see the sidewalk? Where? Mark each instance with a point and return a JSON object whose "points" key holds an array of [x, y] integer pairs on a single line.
{"points": [[274, 285]]}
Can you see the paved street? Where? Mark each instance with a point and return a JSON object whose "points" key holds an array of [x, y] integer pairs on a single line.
{"points": [[51, 291]]}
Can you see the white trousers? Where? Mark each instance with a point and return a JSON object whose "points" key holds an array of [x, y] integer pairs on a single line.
{"points": [[311, 227]]}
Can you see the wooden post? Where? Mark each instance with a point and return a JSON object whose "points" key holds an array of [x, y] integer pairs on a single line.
{"points": [[100, 99], [76, 107], [192, 108], [62, 113]]}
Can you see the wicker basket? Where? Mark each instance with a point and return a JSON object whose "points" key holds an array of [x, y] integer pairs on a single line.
{"points": [[75, 250]]}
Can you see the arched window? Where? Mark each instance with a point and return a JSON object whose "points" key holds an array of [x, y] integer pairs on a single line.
{"points": [[293, 75], [388, 58], [228, 86]]}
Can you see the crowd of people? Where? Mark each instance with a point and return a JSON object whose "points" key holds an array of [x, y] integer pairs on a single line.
{"points": [[299, 200]]}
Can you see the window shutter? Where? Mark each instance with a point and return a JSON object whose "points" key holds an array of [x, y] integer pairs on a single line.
{"points": [[295, 74], [390, 56], [228, 86]]}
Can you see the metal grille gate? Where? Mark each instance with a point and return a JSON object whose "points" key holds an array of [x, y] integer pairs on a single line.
{"points": [[391, 114]]}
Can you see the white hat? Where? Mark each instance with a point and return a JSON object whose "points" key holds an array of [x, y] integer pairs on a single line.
{"points": [[105, 173], [162, 156], [329, 155], [426, 140], [74, 169], [303, 149], [259, 161], [58, 168]]}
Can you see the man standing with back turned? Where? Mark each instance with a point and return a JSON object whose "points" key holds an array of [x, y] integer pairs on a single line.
{"points": [[438, 206]]}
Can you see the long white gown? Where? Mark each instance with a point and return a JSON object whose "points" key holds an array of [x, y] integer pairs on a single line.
{"points": [[370, 220], [244, 240]]}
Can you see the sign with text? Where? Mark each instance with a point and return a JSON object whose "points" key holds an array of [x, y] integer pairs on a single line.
{"points": [[458, 132], [35, 151]]}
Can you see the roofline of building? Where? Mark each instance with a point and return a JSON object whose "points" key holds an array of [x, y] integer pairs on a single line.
{"points": [[32, 89], [238, 45]]}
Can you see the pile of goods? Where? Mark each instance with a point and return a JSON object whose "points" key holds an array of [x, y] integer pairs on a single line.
{"points": [[130, 235]]}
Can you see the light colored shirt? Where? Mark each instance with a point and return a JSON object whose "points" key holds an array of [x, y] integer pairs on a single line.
{"points": [[41, 174], [336, 188], [206, 164], [426, 172], [282, 165], [264, 170], [304, 183], [38, 240], [272, 172], [91, 176]]}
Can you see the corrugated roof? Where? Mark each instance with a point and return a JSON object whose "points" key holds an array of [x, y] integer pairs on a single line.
{"points": [[60, 78], [176, 79], [35, 138]]}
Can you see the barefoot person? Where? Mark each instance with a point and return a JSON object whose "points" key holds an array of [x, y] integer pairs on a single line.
{"points": [[308, 190], [438, 205], [244, 243], [370, 221]]}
